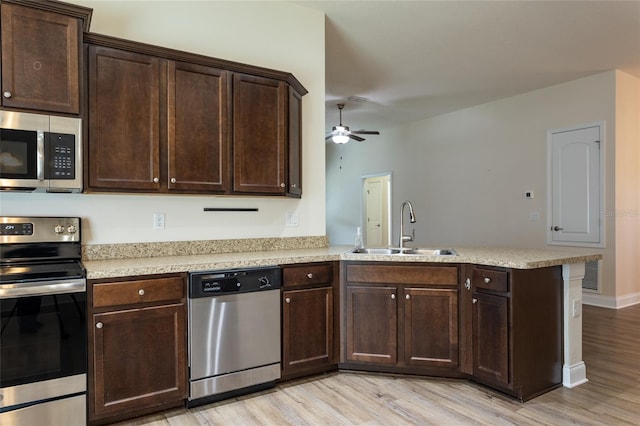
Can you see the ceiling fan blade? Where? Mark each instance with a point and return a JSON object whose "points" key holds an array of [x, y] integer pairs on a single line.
{"points": [[356, 138], [365, 132]]}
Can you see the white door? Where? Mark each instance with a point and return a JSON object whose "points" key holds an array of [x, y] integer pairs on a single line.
{"points": [[373, 200], [575, 187]]}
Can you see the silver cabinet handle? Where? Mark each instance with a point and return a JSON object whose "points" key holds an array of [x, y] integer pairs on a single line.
{"points": [[7, 94], [557, 228], [467, 284], [393, 296], [293, 185], [475, 300], [309, 275], [407, 297], [99, 325], [173, 180], [487, 280], [156, 180], [141, 292], [288, 300], [282, 185]]}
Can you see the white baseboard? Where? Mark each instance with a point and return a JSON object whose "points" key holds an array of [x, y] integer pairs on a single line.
{"points": [[574, 375], [594, 299]]}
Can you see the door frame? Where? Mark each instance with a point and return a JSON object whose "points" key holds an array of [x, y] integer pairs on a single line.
{"points": [[363, 204], [550, 132]]}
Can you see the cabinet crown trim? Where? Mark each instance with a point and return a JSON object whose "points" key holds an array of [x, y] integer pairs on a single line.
{"points": [[193, 58]]}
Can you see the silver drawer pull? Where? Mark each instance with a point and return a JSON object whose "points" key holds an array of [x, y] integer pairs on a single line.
{"points": [[407, 297], [393, 296], [467, 284], [141, 292], [475, 300], [288, 300], [156, 180], [487, 280], [7, 95], [99, 325], [309, 275]]}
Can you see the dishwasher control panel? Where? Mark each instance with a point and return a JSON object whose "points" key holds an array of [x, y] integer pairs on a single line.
{"points": [[212, 283]]}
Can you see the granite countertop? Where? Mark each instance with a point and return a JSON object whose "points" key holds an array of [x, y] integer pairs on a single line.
{"points": [[516, 258]]}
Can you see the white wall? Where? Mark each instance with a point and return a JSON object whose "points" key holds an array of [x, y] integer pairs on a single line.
{"points": [[466, 172], [627, 178], [272, 34]]}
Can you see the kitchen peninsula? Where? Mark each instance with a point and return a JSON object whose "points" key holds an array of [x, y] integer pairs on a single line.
{"points": [[507, 267]]}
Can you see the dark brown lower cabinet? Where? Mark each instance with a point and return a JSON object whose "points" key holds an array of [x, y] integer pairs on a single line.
{"points": [[401, 318], [138, 346], [308, 324], [309, 319], [372, 324], [491, 338], [431, 327], [517, 335]]}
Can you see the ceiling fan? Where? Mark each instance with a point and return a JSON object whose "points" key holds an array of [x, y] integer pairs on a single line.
{"points": [[341, 134]]}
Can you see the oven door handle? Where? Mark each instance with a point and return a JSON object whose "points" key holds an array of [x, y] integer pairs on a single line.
{"points": [[42, 288]]}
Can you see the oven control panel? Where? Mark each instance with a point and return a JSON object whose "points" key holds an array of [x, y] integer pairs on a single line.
{"points": [[39, 229]]}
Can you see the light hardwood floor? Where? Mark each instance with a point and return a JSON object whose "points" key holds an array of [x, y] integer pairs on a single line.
{"points": [[611, 350]]}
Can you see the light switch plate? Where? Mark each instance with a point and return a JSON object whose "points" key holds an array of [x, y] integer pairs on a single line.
{"points": [[291, 219], [158, 221]]}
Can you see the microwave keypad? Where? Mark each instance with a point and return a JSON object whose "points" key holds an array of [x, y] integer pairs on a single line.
{"points": [[62, 158]]}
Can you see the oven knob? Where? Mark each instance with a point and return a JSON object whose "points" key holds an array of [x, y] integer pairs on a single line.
{"points": [[72, 229], [264, 281], [59, 229]]}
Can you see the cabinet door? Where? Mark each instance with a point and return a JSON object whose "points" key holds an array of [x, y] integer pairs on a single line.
{"points": [[139, 359], [294, 163], [259, 134], [372, 314], [307, 334], [40, 60], [198, 131], [491, 338], [431, 327], [124, 126]]}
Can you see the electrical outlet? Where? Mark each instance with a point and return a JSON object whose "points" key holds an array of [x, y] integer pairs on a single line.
{"points": [[291, 219], [158, 221], [576, 308]]}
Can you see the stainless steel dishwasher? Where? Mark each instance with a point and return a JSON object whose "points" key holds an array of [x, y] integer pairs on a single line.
{"points": [[234, 332]]}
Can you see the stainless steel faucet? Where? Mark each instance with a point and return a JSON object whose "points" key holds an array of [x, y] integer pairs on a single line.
{"points": [[412, 219]]}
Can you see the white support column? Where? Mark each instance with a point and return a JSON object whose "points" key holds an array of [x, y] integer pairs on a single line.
{"points": [[574, 370]]}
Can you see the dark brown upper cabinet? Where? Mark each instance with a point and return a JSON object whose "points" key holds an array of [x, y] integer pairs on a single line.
{"points": [[124, 120], [166, 121], [41, 55], [259, 135]]}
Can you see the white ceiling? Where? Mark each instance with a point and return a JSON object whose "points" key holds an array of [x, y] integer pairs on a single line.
{"points": [[416, 59]]}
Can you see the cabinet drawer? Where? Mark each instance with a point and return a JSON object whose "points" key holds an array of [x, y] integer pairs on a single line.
{"points": [[384, 274], [307, 274], [490, 279], [138, 291]]}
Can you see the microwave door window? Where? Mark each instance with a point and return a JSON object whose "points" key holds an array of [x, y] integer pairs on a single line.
{"points": [[18, 154]]}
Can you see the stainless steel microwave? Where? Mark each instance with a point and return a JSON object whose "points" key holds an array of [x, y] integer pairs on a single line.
{"points": [[40, 153]]}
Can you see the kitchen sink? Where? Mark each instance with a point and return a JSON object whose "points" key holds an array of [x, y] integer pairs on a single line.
{"points": [[407, 251], [377, 251], [430, 251]]}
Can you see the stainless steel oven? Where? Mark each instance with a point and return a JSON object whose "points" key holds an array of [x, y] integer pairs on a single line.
{"points": [[40, 153], [43, 328]]}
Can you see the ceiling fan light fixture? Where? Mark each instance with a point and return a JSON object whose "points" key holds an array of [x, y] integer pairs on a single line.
{"points": [[340, 138]]}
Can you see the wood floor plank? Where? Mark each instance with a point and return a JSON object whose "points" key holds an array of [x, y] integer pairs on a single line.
{"points": [[611, 351]]}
